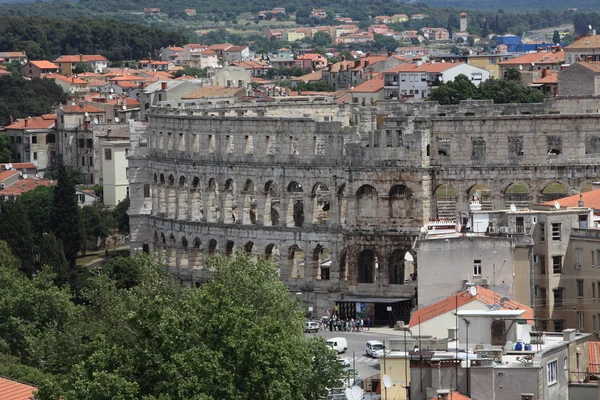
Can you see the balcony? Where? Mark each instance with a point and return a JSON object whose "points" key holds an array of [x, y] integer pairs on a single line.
{"points": [[391, 83]]}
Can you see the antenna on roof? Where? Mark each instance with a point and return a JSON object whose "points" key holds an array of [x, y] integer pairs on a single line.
{"points": [[473, 291], [557, 205]]}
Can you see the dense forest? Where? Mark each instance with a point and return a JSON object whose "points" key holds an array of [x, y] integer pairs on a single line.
{"points": [[47, 38], [20, 98]]}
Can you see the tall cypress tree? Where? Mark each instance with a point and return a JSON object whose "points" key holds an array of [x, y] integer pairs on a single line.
{"points": [[52, 255], [15, 229], [65, 216]]}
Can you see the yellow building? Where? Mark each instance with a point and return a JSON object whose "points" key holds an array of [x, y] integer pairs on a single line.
{"points": [[396, 365], [399, 18], [488, 62], [293, 35]]}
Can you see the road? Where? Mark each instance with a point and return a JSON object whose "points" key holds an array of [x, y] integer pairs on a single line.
{"points": [[365, 365], [540, 34]]}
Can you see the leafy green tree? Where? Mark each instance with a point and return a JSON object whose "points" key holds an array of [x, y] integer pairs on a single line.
{"points": [[6, 153], [38, 206], [470, 41], [7, 259], [461, 88], [191, 71], [52, 255], [121, 217], [73, 173], [322, 39], [20, 98], [82, 67], [14, 67], [94, 224], [556, 37], [65, 216], [512, 74], [16, 231], [387, 43]]}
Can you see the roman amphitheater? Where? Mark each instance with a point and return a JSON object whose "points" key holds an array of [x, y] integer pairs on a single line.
{"points": [[337, 194]]}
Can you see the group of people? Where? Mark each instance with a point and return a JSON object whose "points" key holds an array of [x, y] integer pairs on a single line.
{"points": [[335, 324]]}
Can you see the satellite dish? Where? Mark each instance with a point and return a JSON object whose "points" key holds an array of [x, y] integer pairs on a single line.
{"points": [[95, 121], [349, 395], [423, 229], [443, 61], [112, 90], [86, 114], [473, 291], [408, 257], [521, 67], [116, 119], [589, 26], [513, 208], [387, 381], [532, 64], [557, 205], [357, 393], [124, 107], [525, 337]]}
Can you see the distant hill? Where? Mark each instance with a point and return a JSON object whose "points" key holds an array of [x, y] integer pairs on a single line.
{"points": [[517, 5]]}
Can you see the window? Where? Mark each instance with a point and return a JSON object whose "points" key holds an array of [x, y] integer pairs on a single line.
{"points": [[403, 77], [146, 190], [592, 258], [598, 257], [476, 77], [593, 290], [559, 325], [556, 232], [146, 248], [593, 324], [542, 231], [34, 156], [423, 77], [127, 191], [90, 143], [579, 261], [543, 265], [91, 163], [82, 161], [476, 267], [108, 154], [579, 288], [556, 264], [82, 143], [566, 363], [558, 298], [81, 198], [34, 139], [580, 320], [551, 368]]}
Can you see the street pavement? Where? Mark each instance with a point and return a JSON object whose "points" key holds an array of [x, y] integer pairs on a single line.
{"points": [[365, 365]]}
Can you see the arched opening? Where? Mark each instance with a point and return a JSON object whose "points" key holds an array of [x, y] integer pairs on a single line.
{"points": [[248, 247], [272, 254], [554, 191], [366, 203], [396, 268], [321, 204], [184, 257], [554, 152], [196, 205], [296, 261], [295, 215], [400, 202], [367, 264], [212, 203], [445, 201], [172, 251], [183, 200], [518, 195], [196, 254], [483, 194], [212, 247], [162, 197], [162, 179], [342, 203], [230, 206], [321, 259], [171, 198], [342, 262], [155, 178], [250, 207], [272, 203], [229, 248]]}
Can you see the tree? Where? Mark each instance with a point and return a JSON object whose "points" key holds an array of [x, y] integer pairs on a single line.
{"points": [[16, 231], [52, 255], [94, 224], [65, 216], [38, 206], [470, 41], [322, 39], [512, 74], [6, 153], [121, 217], [73, 173], [556, 37], [82, 67], [7, 259], [452, 92]]}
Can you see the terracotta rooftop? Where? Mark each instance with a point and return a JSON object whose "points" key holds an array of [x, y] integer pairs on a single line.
{"points": [[454, 395], [215, 91], [594, 357], [311, 77], [9, 54], [12, 390], [77, 109], [586, 42], [46, 121], [175, 48], [591, 199], [236, 48], [16, 189], [593, 66], [550, 78], [25, 165], [7, 174], [436, 67], [371, 86], [402, 68], [44, 64], [542, 57], [462, 298], [220, 46], [84, 58], [68, 79]]}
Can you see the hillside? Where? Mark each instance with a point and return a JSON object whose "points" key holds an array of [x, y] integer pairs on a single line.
{"points": [[517, 5]]}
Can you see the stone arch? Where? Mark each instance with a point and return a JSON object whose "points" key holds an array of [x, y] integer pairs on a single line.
{"points": [[249, 247], [250, 207], [162, 179], [184, 259], [229, 248], [553, 191], [366, 203], [230, 211], [517, 194], [343, 265], [445, 201], [295, 211], [163, 239], [212, 194], [483, 194], [272, 204], [321, 204], [196, 253], [400, 201], [396, 268], [184, 242], [171, 180], [212, 247], [155, 237], [172, 251], [272, 253], [321, 263], [342, 204], [155, 178], [171, 198], [162, 196], [182, 201], [296, 261], [196, 207], [367, 264]]}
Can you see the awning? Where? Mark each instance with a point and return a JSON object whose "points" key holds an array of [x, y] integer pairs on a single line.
{"points": [[385, 300]]}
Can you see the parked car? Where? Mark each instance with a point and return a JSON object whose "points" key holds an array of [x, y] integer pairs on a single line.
{"points": [[375, 348], [311, 326], [339, 344]]}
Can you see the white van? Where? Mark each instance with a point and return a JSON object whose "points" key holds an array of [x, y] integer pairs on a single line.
{"points": [[339, 344]]}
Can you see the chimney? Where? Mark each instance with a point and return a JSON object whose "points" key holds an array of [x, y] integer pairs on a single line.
{"points": [[568, 335], [580, 202], [343, 58], [390, 53], [443, 394], [81, 58], [544, 73], [356, 63], [539, 49], [26, 122], [12, 121], [163, 85]]}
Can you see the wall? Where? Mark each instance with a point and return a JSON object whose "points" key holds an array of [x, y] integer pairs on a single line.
{"points": [[576, 80], [438, 326], [398, 370], [114, 173]]}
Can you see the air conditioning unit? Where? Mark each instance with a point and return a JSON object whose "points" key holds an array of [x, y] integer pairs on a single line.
{"points": [[485, 282]]}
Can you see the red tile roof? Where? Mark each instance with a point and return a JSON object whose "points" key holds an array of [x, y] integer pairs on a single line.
{"points": [[593, 66], [12, 390], [236, 48], [586, 42], [462, 298], [46, 121], [43, 64], [84, 58], [542, 57], [454, 395], [371, 86], [436, 67], [68, 79], [7, 174], [402, 68], [25, 165], [311, 77], [220, 46], [18, 188], [591, 199], [550, 78], [77, 109], [594, 357]]}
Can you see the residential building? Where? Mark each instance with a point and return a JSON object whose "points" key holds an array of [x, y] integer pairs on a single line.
{"points": [[488, 62], [311, 61], [217, 92], [67, 64], [341, 30], [232, 76], [356, 37], [171, 53], [293, 35], [283, 59], [151, 11], [86, 197], [340, 74], [38, 69], [26, 168], [531, 65], [256, 67], [397, 18], [580, 79], [11, 190], [369, 92], [308, 78], [119, 109], [114, 146], [547, 84], [436, 34], [275, 34], [8, 56], [164, 91], [418, 16], [587, 48], [236, 53], [319, 13], [435, 319], [219, 49], [417, 81], [33, 140], [155, 65], [69, 84], [198, 55], [190, 12]]}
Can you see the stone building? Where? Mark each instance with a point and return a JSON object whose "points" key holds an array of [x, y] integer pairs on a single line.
{"points": [[337, 194]]}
